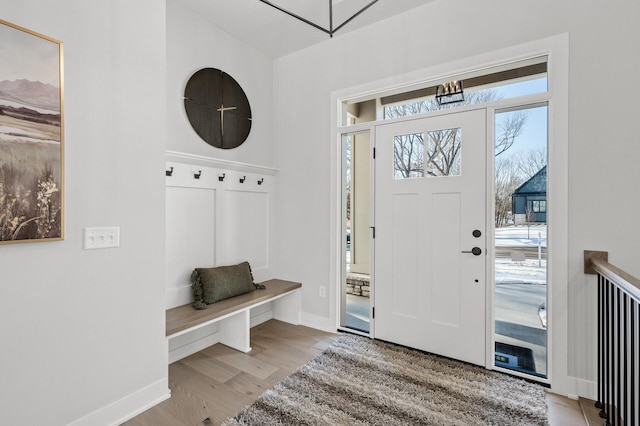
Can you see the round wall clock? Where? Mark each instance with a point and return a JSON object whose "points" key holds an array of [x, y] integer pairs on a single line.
{"points": [[217, 108]]}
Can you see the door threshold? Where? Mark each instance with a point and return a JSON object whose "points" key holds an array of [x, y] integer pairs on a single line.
{"points": [[354, 331]]}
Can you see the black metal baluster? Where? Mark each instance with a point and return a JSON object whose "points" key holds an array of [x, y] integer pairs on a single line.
{"points": [[625, 349], [616, 409], [612, 360], [611, 354], [635, 322], [607, 346], [598, 403]]}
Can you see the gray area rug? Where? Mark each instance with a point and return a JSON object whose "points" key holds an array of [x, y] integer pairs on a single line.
{"points": [[358, 381]]}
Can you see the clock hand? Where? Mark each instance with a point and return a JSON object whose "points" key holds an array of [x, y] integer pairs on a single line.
{"points": [[222, 109]]}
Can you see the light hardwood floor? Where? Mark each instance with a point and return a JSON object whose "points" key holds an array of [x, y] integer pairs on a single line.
{"points": [[216, 383]]}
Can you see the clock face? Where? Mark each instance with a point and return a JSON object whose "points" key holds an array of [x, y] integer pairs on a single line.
{"points": [[217, 108]]}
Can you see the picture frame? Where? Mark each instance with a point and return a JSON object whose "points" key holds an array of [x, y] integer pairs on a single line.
{"points": [[31, 136]]}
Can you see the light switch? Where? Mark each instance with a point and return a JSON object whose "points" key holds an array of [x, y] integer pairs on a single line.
{"points": [[105, 237]]}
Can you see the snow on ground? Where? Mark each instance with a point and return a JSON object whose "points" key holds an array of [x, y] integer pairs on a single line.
{"points": [[522, 235], [527, 272]]}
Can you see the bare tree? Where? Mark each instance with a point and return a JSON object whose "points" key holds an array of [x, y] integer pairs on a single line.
{"points": [[408, 154], [507, 181], [443, 152], [508, 130], [531, 162], [530, 217]]}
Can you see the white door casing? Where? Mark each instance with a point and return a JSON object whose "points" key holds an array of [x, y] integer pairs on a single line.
{"points": [[429, 294]]}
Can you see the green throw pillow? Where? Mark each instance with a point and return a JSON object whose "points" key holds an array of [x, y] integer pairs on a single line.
{"points": [[213, 284]]}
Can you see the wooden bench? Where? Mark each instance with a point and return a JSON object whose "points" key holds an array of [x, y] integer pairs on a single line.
{"points": [[233, 317]]}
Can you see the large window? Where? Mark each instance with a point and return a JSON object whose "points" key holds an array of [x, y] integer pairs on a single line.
{"points": [[520, 291]]}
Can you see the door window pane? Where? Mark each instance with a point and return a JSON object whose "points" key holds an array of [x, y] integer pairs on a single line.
{"points": [[408, 154], [443, 155], [443, 152]]}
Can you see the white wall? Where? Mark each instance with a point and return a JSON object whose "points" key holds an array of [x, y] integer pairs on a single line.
{"points": [[210, 222], [235, 221], [603, 147], [194, 43], [83, 331]]}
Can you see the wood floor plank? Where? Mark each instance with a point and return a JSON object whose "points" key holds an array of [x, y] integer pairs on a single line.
{"points": [[211, 366], [563, 411], [251, 386], [187, 406], [285, 357], [218, 382], [591, 413], [221, 400], [249, 364], [160, 415]]}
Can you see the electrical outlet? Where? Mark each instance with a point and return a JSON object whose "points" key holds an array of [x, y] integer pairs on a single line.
{"points": [[323, 291], [96, 238]]}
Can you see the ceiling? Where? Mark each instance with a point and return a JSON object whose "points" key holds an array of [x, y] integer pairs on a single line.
{"points": [[276, 34]]}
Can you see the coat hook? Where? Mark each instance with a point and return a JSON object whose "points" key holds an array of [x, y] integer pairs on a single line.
{"points": [[197, 175], [169, 172], [221, 178], [260, 181], [242, 179]]}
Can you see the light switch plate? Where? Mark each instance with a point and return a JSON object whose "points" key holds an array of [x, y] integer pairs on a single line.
{"points": [[104, 237]]}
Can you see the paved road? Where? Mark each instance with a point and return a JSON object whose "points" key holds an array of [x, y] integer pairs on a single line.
{"points": [[517, 319]]}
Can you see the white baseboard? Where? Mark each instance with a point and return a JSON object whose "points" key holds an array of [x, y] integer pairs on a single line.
{"points": [[582, 388], [128, 407], [317, 322]]}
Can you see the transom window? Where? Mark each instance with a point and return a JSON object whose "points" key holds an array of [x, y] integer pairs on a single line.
{"points": [[485, 86]]}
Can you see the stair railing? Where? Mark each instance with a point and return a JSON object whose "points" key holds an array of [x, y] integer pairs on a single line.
{"points": [[618, 341]]}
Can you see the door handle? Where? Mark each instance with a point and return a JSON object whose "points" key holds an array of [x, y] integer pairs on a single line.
{"points": [[476, 251]]}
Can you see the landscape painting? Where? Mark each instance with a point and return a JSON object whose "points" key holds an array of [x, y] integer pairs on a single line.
{"points": [[31, 136]]}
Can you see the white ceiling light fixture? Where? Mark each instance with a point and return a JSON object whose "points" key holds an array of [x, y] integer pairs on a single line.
{"points": [[331, 30]]}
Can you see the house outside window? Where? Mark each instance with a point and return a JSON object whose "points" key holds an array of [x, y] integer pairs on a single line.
{"points": [[529, 201]]}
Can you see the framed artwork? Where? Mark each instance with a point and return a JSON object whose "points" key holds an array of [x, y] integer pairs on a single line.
{"points": [[31, 136]]}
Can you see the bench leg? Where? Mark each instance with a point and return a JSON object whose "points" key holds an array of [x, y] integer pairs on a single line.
{"points": [[234, 331], [287, 308]]}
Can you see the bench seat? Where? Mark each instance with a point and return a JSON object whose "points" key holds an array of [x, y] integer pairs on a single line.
{"points": [[233, 316]]}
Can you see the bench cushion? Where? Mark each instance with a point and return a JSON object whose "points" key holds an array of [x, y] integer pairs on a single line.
{"points": [[213, 284]]}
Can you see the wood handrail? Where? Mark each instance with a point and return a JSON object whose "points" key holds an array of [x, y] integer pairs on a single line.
{"points": [[625, 281]]}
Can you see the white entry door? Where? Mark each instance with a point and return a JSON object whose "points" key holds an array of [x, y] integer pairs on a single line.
{"points": [[430, 208]]}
